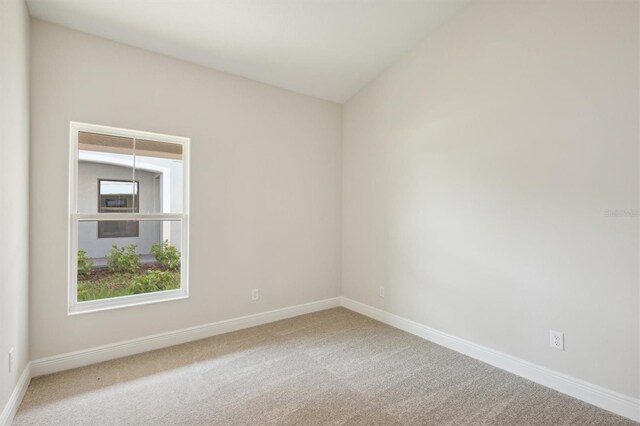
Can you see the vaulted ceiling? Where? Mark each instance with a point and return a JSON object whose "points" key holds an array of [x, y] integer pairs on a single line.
{"points": [[324, 48]]}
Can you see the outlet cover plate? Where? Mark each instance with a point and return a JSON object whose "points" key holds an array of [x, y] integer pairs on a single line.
{"points": [[556, 339]]}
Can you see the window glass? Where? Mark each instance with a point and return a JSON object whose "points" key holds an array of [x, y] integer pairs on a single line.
{"points": [[118, 197], [159, 168], [103, 157], [124, 266]]}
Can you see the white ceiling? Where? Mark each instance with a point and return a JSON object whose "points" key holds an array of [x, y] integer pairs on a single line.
{"points": [[324, 48]]}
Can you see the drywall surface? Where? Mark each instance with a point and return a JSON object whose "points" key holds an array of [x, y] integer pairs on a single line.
{"points": [[265, 185], [491, 185], [14, 190]]}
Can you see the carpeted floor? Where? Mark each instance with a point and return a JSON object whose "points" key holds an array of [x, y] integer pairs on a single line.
{"points": [[330, 367]]}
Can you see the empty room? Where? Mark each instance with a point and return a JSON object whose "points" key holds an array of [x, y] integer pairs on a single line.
{"points": [[319, 212]]}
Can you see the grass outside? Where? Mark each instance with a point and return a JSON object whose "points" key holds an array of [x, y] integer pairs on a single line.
{"points": [[103, 284]]}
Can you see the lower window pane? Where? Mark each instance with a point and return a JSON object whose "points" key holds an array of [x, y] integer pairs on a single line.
{"points": [[115, 267]]}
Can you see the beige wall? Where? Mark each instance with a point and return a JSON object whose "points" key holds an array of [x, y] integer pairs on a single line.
{"points": [[14, 190], [265, 185], [480, 173]]}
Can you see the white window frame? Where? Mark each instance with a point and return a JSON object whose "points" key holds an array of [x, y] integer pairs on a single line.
{"points": [[75, 218]]}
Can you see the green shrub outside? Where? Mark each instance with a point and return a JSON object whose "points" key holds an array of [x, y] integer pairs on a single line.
{"points": [[123, 259], [152, 281], [85, 265], [166, 255]]}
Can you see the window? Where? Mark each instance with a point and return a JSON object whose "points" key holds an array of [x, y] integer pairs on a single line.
{"points": [[118, 196], [128, 218]]}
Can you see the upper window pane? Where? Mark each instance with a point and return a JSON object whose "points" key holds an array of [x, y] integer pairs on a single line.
{"points": [[127, 175]]}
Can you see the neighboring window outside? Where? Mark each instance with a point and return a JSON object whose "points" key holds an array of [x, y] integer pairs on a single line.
{"points": [[130, 246], [118, 196]]}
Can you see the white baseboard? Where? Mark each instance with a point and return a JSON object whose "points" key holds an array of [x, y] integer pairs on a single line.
{"points": [[84, 357], [615, 402], [11, 408]]}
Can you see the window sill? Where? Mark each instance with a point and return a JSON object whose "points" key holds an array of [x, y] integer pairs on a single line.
{"points": [[77, 308]]}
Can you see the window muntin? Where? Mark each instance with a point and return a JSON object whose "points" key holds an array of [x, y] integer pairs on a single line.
{"points": [[142, 203]]}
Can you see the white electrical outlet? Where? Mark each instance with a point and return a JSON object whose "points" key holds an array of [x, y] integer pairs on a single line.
{"points": [[381, 291], [556, 339], [255, 294], [10, 360]]}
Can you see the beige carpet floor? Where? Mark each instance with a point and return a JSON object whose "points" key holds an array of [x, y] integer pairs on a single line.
{"points": [[329, 367]]}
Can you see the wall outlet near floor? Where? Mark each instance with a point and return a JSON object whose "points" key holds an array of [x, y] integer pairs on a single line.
{"points": [[11, 360], [255, 294], [381, 291], [556, 339]]}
